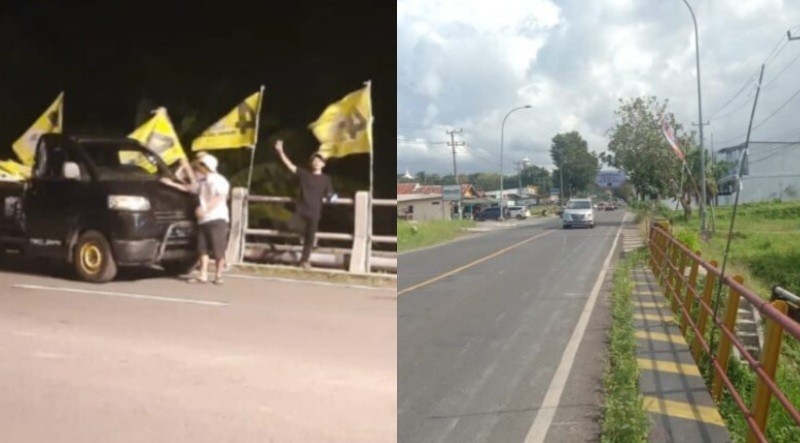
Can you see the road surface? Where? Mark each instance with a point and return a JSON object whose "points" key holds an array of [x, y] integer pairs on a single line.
{"points": [[484, 324], [155, 359]]}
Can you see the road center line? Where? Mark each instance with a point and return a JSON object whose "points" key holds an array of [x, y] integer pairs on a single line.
{"points": [[547, 411], [123, 294], [469, 265]]}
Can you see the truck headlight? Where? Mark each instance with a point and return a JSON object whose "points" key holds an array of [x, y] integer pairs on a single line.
{"points": [[128, 203]]}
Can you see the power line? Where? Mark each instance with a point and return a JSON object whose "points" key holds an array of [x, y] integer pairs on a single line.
{"points": [[766, 119], [782, 43], [782, 71]]}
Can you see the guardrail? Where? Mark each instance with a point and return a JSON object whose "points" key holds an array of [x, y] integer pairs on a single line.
{"points": [[669, 259], [359, 258]]}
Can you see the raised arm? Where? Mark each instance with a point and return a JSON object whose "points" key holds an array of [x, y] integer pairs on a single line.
{"points": [[284, 158]]}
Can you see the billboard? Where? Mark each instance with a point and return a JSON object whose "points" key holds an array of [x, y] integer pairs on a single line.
{"points": [[451, 192]]}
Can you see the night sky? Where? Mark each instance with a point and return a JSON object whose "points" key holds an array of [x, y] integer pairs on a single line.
{"points": [[199, 59]]}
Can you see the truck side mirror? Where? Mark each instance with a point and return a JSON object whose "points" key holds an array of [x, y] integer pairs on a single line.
{"points": [[71, 171]]}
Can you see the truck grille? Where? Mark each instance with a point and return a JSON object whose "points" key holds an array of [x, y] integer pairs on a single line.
{"points": [[171, 216]]}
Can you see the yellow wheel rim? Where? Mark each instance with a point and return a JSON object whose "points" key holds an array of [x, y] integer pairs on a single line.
{"points": [[91, 258]]}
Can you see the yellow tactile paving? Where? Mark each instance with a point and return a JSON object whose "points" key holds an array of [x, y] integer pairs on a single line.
{"points": [[652, 317], [678, 409], [649, 304], [668, 366], [658, 336]]}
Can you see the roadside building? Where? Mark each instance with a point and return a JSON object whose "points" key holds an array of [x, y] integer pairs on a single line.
{"points": [[610, 179], [771, 171], [421, 207], [412, 197]]}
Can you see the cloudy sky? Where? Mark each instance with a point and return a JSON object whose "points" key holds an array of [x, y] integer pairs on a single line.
{"points": [[464, 64]]}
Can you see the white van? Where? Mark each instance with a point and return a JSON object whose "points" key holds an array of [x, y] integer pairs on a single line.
{"points": [[578, 212], [519, 212]]}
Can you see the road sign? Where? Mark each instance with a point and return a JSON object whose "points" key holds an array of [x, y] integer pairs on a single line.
{"points": [[451, 193]]}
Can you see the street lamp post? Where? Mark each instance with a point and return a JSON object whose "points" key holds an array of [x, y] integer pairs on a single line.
{"points": [[561, 186], [502, 128], [700, 113]]}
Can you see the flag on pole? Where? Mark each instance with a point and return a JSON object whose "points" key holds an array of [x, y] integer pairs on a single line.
{"points": [[237, 129], [345, 127], [670, 135], [158, 135], [49, 122], [14, 171]]}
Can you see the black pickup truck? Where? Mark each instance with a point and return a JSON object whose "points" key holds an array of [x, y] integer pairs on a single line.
{"points": [[97, 204]]}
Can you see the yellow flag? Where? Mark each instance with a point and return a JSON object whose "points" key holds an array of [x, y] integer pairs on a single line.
{"points": [[159, 136], [237, 129], [345, 127], [14, 170], [50, 121]]}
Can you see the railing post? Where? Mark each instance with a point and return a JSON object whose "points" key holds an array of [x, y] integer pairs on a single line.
{"points": [[679, 275], [702, 317], [358, 257], [688, 300], [769, 362], [651, 247], [664, 267], [724, 354], [672, 272], [235, 253]]}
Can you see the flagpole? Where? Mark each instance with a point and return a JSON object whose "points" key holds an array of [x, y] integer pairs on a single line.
{"points": [[255, 139], [368, 83]]}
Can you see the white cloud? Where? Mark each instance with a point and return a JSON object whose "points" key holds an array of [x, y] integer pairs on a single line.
{"points": [[467, 63]]}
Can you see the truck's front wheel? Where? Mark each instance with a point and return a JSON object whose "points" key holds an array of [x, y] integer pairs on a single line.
{"points": [[93, 259]]}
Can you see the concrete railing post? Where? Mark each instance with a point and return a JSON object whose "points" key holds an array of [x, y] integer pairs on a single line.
{"points": [[358, 258], [235, 252]]}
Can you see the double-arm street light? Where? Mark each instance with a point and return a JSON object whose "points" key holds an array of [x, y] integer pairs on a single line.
{"points": [[502, 128], [700, 124]]}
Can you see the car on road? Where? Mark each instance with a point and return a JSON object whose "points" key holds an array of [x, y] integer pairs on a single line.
{"points": [[519, 212], [97, 204], [492, 213], [578, 212]]}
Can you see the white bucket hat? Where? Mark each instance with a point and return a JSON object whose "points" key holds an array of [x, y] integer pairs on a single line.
{"points": [[209, 161]]}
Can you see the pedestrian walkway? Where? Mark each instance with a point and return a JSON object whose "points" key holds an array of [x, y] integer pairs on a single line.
{"points": [[675, 395]]}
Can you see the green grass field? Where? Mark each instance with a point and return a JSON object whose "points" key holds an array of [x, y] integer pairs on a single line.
{"points": [[415, 235]]}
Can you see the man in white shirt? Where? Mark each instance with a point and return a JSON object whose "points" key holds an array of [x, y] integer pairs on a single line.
{"points": [[213, 216]]}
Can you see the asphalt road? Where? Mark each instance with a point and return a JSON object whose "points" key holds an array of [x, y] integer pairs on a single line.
{"points": [[155, 359], [484, 323]]}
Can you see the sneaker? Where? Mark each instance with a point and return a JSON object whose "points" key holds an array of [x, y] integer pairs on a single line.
{"points": [[305, 265]]}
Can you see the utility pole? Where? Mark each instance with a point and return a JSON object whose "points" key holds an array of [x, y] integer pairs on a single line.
{"points": [[455, 170]]}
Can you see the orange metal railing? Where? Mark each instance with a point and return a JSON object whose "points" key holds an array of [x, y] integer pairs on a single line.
{"points": [[669, 260]]}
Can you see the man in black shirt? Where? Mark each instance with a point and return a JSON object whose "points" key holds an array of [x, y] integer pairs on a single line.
{"points": [[315, 187]]}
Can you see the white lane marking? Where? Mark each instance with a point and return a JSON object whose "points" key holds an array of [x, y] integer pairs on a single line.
{"points": [[123, 294], [320, 283], [544, 417]]}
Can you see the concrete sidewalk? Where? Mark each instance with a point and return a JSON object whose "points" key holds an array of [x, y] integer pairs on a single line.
{"points": [[675, 394]]}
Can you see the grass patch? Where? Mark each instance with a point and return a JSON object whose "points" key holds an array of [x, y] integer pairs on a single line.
{"points": [[415, 235], [765, 250], [624, 418]]}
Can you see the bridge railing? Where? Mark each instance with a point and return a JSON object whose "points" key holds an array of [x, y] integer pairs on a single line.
{"points": [[670, 259], [248, 245]]}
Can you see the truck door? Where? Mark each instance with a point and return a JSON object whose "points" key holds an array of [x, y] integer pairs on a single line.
{"points": [[51, 203]]}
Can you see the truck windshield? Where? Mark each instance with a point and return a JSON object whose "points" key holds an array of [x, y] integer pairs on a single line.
{"points": [[122, 160], [579, 204]]}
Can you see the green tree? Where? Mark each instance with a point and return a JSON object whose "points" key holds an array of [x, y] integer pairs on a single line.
{"points": [[536, 176], [638, 147], [570, 154]]}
